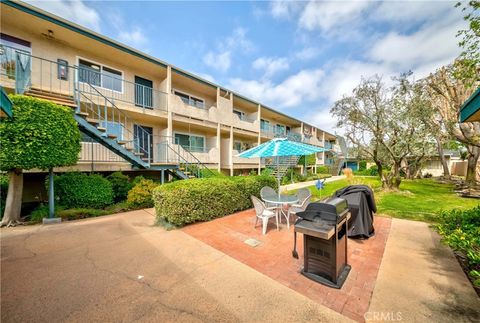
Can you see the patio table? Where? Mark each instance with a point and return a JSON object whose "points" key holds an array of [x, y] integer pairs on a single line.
{"points": [[280, 200]]}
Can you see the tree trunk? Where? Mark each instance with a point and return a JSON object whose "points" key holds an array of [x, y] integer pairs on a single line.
{"points": [[473, 154], [391, 180], [446, 171], [13, 204]]}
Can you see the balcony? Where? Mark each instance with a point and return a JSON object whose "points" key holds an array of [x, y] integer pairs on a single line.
{"points": [[189, 108], [245, 122], [22, 72]]}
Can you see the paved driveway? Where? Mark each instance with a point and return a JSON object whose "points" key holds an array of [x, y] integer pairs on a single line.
{"points": [[122, 268]]}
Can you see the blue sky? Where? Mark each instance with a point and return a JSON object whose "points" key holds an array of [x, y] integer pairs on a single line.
{"points": [[298, 57]]}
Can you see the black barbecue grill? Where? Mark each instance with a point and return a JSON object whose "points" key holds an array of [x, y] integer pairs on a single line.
{"points": [[324, 227]]}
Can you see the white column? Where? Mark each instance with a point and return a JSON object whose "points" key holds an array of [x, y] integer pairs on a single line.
{"points": [[169, 102], [323, 142], [230, 151], [219, 150]]}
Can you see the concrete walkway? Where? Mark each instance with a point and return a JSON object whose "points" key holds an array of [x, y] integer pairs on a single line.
{"points": [[420, 280], [122, 268], [296, 186]]}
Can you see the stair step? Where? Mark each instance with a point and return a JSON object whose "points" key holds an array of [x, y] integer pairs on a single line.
{"points": [[186, 173], [129, 148], [82, 114], [102, 129], [92, 121], [59, 101], [138, 154], [191, 177], [111, 136], [122, 142], [52, 94]]}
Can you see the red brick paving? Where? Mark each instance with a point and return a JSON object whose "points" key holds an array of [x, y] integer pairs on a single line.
{"points": [[273, 257]]}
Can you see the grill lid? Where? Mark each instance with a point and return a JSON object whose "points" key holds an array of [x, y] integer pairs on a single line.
{"points": [[333, 209]]}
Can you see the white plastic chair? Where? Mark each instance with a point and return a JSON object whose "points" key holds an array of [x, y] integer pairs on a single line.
{"points": [[263, 213], [265, 192], [303, 196]]}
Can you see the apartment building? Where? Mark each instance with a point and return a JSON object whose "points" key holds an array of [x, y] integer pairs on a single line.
{"points": [[134, 110]]}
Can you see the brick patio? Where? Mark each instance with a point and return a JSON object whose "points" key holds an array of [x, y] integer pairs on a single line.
{"points": [[273, 257]]}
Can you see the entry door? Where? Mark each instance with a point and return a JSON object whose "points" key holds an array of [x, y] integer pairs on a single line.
{"points": [[143, 93], [143, 136]]}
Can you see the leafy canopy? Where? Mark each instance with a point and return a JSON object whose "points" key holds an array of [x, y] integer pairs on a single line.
{"points": [[41, 134]]}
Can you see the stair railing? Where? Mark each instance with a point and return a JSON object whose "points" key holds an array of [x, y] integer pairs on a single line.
{"points": [[169, 151], [21, 70], [109, 116]]}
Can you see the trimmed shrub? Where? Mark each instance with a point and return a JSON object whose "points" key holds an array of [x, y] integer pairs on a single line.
{"points": [[79, 190], [204, 199], [323, 170], [362, 165], [120, 185], [66, 214], [460, 230], [41, 134], [140, 196]]}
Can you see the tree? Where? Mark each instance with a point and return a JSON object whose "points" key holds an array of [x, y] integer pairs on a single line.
{"points": [[467, 66], [41, 135], [385, 123], [447, 94], [362, 116]]}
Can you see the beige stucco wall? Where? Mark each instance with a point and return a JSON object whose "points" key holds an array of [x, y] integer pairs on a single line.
{"points": [[71, 46]]}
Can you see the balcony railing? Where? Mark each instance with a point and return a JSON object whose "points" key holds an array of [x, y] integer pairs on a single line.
{"points": [[23, 71]]}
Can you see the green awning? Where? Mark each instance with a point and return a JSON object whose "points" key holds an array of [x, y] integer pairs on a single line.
{"points": [[470, 110], [5, 103]]}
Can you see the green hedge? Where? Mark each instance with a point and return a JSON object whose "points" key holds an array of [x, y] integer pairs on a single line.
{"points": [[184, 202], [78, 190], [460, 230], [140, 196], [121, 185]]}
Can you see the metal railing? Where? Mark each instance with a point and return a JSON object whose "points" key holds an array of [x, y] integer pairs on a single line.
{"points": [[24, 71], [169, 152], [103, 112], [121, 90]]}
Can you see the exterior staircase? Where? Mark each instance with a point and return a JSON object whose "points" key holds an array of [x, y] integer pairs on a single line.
{"points": [[340, 156], [61, 99]]}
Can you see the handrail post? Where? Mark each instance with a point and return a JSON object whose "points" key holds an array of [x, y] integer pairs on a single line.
{"points": [[149, 150]]}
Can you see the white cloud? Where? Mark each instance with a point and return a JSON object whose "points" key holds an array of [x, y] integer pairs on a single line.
{"points": [[307, 53], [134, 37], [410, 11], [221, 58], [220, 61], [284, 9], [434, 42], [271, 65], [293, 91], [74, 10], [327, 16]]}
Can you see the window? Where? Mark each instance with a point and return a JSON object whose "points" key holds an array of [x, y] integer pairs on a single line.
{"points": [[190, 142], [99, 75], [264, 125], [113, 128], [280, 129], [288, 130], [237, 145], [190, 100], [240, 114]]}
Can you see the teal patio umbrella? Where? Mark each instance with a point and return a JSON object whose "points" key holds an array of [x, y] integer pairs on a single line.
{"points": [[284, 152]]}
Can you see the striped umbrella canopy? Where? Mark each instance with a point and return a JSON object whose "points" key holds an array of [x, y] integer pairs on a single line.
{"points": [[281, 147]]}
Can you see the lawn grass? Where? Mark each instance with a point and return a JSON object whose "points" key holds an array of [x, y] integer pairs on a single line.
{"points": [[421, 199]]}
